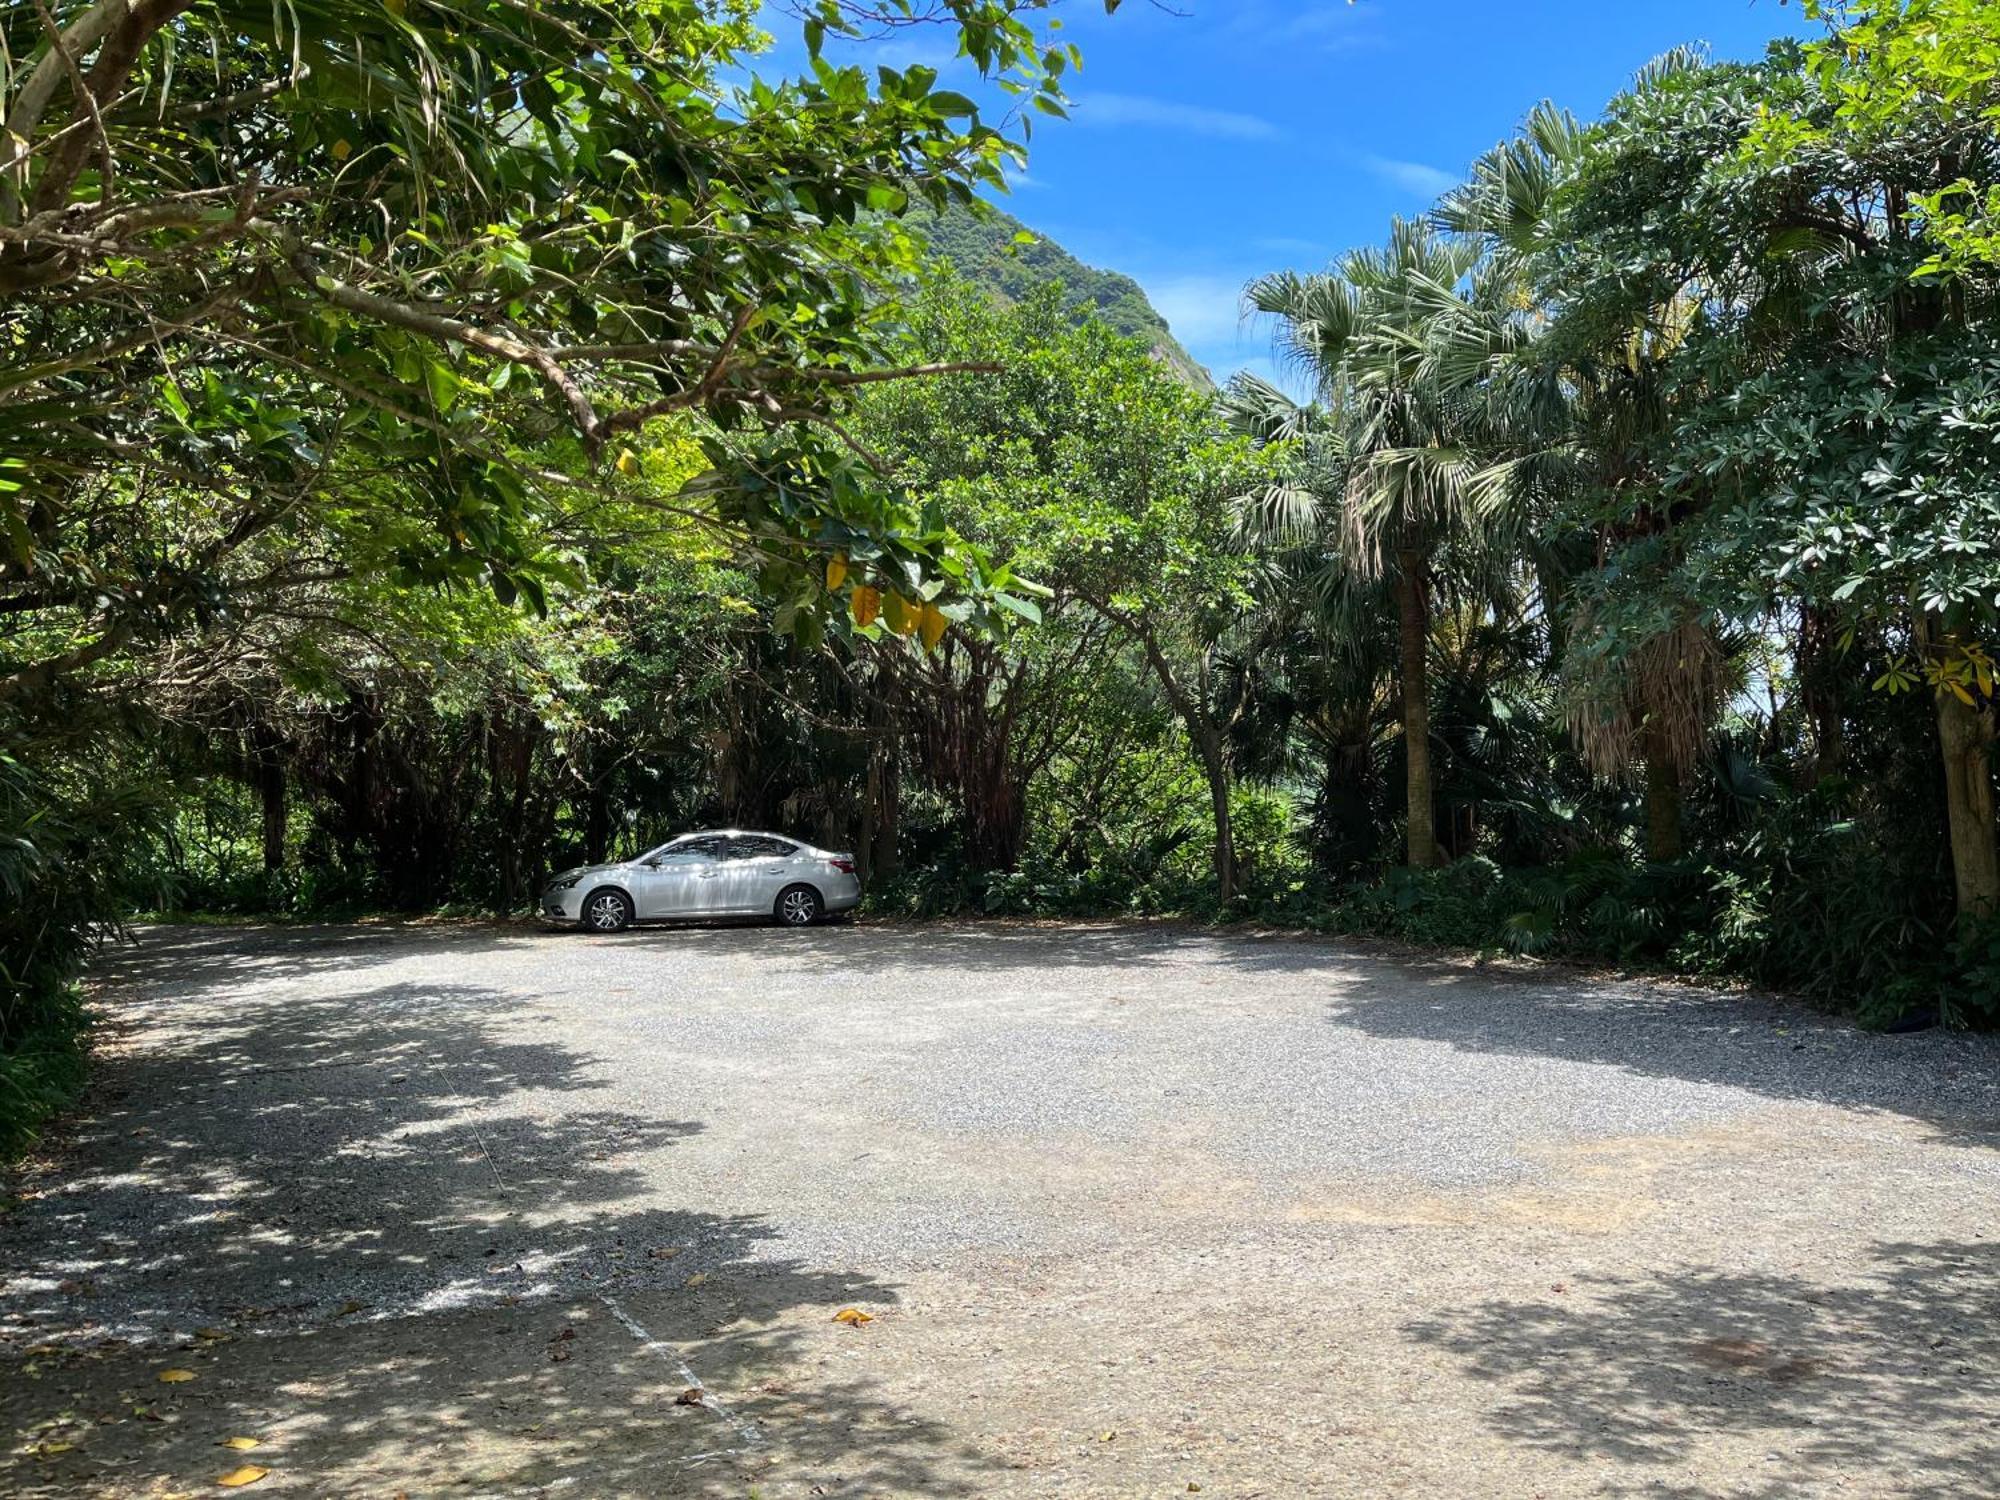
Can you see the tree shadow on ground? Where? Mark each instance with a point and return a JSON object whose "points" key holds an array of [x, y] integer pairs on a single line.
{"points": [[1768, 1047], [1949, 1081], [1891, 1377], [384, 1227]]}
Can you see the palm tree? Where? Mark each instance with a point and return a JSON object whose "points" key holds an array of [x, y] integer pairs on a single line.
{"points": [[1601, 404], [1402, 343]]}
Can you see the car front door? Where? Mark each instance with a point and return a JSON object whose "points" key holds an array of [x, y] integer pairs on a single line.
{"points": [[682, 882]]}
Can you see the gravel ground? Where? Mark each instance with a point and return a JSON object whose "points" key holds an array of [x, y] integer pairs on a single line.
{"points": [[1132, 1211]]}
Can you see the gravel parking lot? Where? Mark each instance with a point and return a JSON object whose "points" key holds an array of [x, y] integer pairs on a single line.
{"points": [[1131, 1211]]}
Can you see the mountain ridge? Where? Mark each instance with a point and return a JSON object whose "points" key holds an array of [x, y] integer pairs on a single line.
{"points": [[982, 246]]}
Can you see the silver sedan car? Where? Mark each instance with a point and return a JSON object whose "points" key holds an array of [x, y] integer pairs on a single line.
{"points": [[727, 872]]}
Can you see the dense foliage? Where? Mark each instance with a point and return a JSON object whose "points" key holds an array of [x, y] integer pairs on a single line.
{"points": [[403, 500]]}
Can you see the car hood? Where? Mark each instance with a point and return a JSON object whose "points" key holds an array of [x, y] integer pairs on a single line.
{"points": [[578, 871]]}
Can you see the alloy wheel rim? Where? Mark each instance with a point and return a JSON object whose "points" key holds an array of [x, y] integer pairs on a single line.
{"points": [[604, 912], [798, 908]]}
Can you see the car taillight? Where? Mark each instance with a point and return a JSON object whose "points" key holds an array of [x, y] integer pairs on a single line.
{"points": [[842, 864]]}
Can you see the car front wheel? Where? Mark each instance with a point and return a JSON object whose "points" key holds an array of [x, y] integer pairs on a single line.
{"points": [[799, 906], [607, 911]]}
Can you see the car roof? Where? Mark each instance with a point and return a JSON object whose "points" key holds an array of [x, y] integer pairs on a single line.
{"points": [[739, 833]]}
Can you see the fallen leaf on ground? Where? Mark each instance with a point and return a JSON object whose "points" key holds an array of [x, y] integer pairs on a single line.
{"points": [[50, 1450], [853, 1317], [213, 1335], [665, 1252], [175, 1377], [1107, 1435], [248, 1474], [694, 1395], [351, 1305], [697, 1279], [241, 1444]]}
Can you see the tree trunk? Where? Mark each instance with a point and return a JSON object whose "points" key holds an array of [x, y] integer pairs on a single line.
{"points": [[1966, 736], [1414, 642], [597, 825], [271, 792], [1663, 799], [1215, 766], [888, 816]]}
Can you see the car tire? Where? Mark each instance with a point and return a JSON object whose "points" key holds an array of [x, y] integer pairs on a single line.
{"points": [[798, 906], [607, 910]]}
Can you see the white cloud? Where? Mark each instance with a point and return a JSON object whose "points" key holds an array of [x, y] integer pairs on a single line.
{"points": [[1202, 310], [1412, 176], [1167, 114]]}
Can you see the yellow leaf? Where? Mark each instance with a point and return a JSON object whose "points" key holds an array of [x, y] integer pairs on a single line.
{"points": [[628, 462], [902, 615], [241, 1444], [865, 605], [1107, 1435], [853, 1317], [341, 151], [836, 571], [214, 1335], [1963, 696], [175, 1377], [248, 1474], [933, 626], [697, 1279], [50, 1450]]}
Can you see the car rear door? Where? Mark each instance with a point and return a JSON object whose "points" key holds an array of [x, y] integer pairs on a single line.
{"points": [[755, 868]]}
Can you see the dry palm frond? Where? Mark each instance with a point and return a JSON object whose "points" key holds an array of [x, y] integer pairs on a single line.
{"points": [[1657, 699]]}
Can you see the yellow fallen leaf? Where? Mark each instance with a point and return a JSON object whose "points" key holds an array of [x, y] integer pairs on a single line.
{"points": [[50, 1450], [248, 1474], [241, 1444], [697, 1279], [853, 1317], [175, 1377], [214, 1335], [1107, 1435]]}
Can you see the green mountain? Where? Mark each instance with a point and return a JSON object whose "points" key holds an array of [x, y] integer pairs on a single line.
{"points": [[984, 250]]}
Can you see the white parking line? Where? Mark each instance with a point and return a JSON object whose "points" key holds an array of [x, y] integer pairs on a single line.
{"points": [[745, 1430]]}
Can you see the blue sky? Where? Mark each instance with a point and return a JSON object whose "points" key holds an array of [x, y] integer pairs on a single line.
{"points": [[1236, 137]]}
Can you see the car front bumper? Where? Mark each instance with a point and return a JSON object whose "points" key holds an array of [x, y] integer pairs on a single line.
{"points": [[562, 906]]}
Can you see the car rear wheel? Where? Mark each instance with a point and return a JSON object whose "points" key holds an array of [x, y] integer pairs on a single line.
{"points": [[607, 911], [799, 906]]}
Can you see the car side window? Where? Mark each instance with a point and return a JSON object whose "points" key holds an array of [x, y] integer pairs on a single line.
{"points": [[693, 852], [760, 848]]}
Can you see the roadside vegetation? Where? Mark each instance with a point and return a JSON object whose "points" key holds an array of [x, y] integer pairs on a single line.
{"points": [[494, 444]]}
